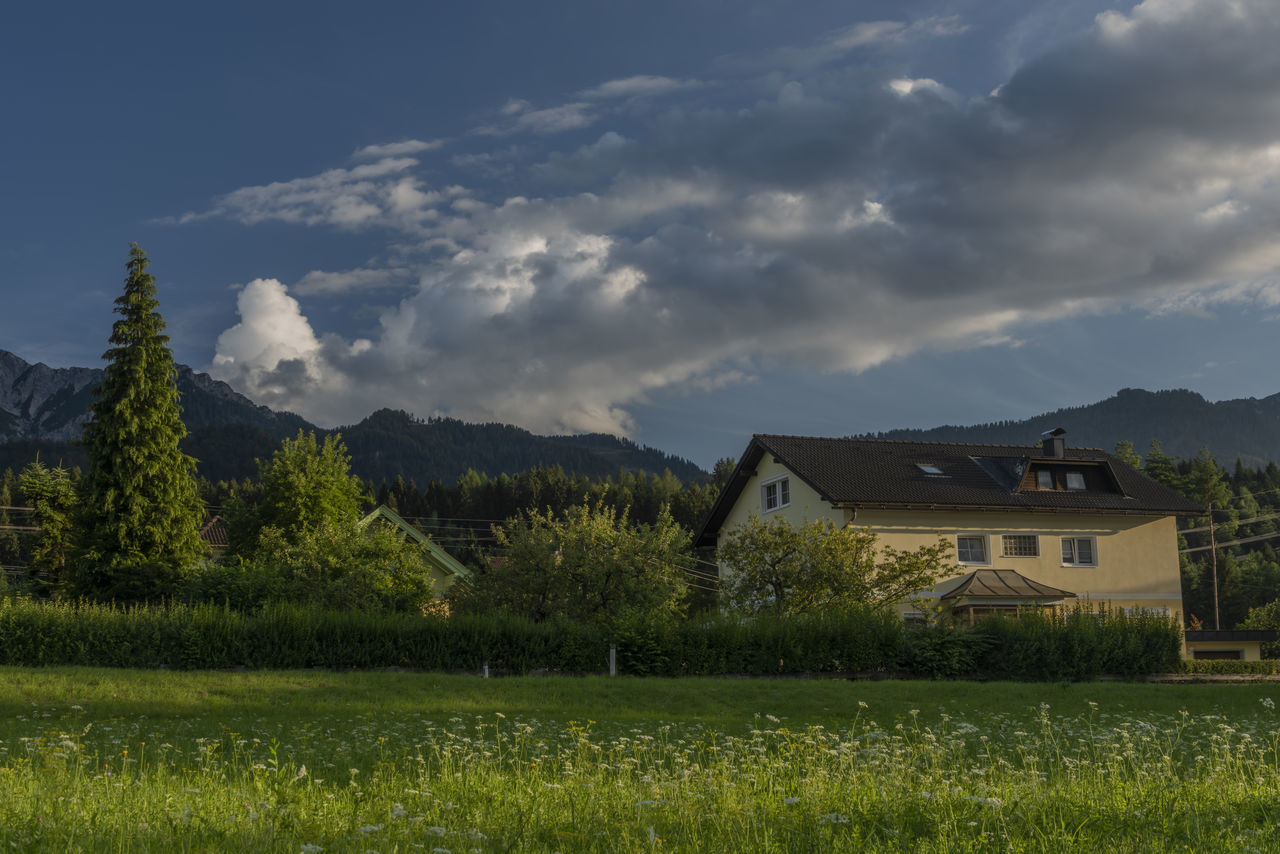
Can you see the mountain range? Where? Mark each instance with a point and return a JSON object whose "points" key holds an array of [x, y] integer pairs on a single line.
{"points": [[1246, 429], [43, 409]]}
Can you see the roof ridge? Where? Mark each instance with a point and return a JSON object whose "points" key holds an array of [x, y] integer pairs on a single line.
{"points": [[915, 442]]}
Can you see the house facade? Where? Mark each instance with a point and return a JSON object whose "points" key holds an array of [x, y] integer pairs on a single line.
{"points": [[1032, 526]]}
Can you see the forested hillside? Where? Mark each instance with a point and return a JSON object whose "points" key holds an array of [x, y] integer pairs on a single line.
{"points": [[1183, 421], [43, 411]]}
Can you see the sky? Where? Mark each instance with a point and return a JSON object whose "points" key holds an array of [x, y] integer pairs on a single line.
{"points": [[682, 222]]}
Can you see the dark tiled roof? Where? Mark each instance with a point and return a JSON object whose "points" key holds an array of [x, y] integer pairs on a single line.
{"points": [[880, 473], [1002, 584], [875, 472], [215, 533]]}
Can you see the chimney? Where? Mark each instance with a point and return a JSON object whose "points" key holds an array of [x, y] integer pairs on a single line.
{"points": [[1052, 443]]}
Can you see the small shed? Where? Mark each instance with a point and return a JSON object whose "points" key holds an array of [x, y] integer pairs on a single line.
{"points": [[1227, 644]]}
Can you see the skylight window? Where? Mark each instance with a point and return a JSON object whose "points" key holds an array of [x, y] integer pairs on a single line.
{"points": [[929, 468]]}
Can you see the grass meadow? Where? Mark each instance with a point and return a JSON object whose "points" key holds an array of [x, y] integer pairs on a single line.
{"points": [[119, 760]]}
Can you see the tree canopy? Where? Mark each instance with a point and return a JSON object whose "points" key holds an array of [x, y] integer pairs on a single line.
{"points": [[779, 568], [140, 510], [306, 485], [589, 563]]}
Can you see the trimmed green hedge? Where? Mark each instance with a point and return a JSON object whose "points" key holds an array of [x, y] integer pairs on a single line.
{"points": [[1073, 646], [1266, 667]]}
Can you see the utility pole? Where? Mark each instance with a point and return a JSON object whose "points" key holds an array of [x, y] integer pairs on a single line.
{"points": [[1213, 550]]}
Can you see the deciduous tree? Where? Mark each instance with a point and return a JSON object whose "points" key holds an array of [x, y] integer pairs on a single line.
{"points": [[779, 568], [588, 563], [307, 484]]}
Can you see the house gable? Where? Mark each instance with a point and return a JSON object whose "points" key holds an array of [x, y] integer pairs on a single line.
{"points": [[446, 568]]}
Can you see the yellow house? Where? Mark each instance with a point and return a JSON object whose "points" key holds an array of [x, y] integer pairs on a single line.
{"points": [[1032, 526]]}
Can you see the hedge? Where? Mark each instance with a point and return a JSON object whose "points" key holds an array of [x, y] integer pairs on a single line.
{"points": [[1266, 667], [1072, 646]]}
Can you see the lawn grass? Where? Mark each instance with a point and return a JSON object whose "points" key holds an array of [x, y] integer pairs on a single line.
{"points": [[728, 704], [116, 760]]}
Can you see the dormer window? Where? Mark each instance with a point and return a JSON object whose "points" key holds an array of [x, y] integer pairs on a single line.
{"points": [[1075, 480], [775, 494], [1044, 479]]}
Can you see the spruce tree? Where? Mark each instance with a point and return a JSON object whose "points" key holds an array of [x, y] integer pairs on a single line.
{"points": [[140, 505]]}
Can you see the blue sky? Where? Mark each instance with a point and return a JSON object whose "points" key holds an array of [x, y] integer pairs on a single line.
{"points": [[685, 222]]}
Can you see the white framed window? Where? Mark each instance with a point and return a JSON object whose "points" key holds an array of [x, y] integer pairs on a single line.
{"points": [[1044, 479], [1075, 480], [972, 548], [1020, 545], [1079, 551], [775, 494]]}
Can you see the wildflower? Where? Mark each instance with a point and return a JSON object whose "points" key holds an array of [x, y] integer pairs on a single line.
{"points": [[369, 828], [790, 801], [1268, 703], [308, 848], [988, 802], [773, 719]]}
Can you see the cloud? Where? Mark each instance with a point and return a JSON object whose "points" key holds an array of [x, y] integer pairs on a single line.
{"points": [[319, 282], [274, 356], [832, 218], [365, 196], [838, 44], [397, 149], [641, 84], [551, 120]]}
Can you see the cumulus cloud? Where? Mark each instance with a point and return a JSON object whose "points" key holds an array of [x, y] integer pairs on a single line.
{"points": [[274, 356], [835, 219]]}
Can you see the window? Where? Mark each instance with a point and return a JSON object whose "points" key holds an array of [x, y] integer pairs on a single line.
{"points": [[930, 469], [1075, 480], [775, 494], [1020, 545], [1079, 551], [971, 548], [1044, 479]]}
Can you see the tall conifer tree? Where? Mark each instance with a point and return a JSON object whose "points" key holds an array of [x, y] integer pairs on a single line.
{"points": [[141, 508]]}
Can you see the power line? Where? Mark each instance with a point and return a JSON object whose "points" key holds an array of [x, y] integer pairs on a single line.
{"points": [[1259, 538], [1204, 528]]}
